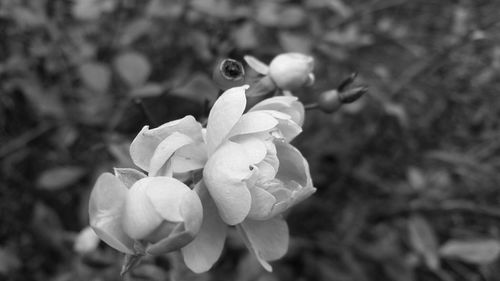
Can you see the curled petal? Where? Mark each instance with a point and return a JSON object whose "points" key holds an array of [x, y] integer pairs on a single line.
{"points": [[225, 176], [201, 254], [145, 143], [225, 113], [268, 239], [128, 176], [165, 150], [293, 166], [106, 206], [289, 105], [177, 239], [190, 157], [140, 217], [166, 195], [253, 122], [262, 203]]}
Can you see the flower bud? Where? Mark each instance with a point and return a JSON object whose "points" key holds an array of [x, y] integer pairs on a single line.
{"points": [[228, 73], [331, 101], [292, 70]]}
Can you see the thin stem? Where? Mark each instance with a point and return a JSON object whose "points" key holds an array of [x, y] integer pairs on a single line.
{"points": [[311, 106]]}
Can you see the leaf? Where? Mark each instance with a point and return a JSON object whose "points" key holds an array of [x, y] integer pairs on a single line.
{"points": [[198, 88], [479, 251], [8, 261], [134, 68], [61, 177], [423, 240], [95, 76], [147, 90]]}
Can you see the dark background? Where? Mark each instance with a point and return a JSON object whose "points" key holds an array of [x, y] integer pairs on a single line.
{"points": [[408, 176]]}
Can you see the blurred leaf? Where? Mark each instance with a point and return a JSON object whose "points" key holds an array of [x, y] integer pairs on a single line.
{"points": [[95, 76], [335, 5], [86, 241], [398, 111], [134, 68], [479, 251], [245, 37], [416, 178], [199, 88], [135, 30], [423, 240], [274, 14], [147, 90], [8, 261], [215, 8], [60, 177], [295, 42], [92, 9], [350, 37]]}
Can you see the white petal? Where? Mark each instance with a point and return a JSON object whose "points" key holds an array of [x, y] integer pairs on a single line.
{"points": [[253, 122], [225, 113], [145, 143], [140, 218], [192, 212], [190, 157], [165, 150], [286, 104], [201, 254], [257, 65], [128, 176], [225, 174], [166, 195], [268, 239], [293, 166], [106, 205], [262, 203], [255, 149]]}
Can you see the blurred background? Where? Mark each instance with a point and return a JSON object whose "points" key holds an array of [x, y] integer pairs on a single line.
{"points": [[408, 176]]}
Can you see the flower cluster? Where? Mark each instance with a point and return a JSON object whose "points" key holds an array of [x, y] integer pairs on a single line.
{"points": [[240, 170]]}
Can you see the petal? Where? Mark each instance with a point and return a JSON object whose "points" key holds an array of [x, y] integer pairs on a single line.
{"points": [[165, 150], [201, 254], [192, 212], [262, 203], [225, 174], [286, 125], [257, 65], [177, 239], [128, 176], [268, 239], [225, 113], [106, 206], [286, 104], [190, 157], [166, 196], [145, 143], [293, 166], [253, 122], [255, 149], [140, 218]]}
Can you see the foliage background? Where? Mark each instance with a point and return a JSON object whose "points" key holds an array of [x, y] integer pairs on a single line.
{"points": [[407, 177]]}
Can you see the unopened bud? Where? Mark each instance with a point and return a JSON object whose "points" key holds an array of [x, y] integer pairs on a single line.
{"points": [[229, 73], [352, 95], [331, 101], [291, 70]]}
